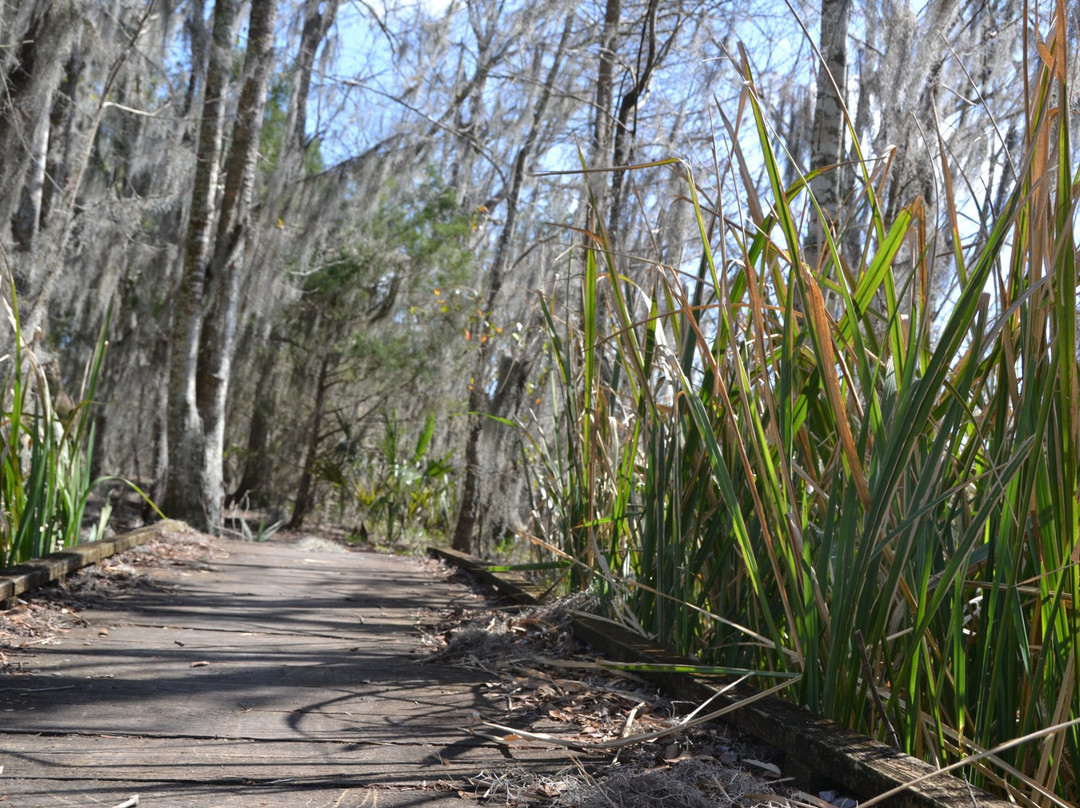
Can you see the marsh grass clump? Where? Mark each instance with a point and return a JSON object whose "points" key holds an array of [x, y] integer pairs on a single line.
{"points": [[46, 441], [807, 469]]}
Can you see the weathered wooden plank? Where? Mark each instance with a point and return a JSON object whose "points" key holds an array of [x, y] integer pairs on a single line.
{"points": [[368, 761], [238, 773], [278, 790], [40, 571], [133, 538], [511, 585], [301, 679], [816, 748]]}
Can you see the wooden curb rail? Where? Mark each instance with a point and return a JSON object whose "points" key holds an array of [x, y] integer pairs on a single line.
{"points": [[40, 571], [819, 752]]}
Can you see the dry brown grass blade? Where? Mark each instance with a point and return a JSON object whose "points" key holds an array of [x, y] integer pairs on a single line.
{"points": [[820, 321], [686, 723]]}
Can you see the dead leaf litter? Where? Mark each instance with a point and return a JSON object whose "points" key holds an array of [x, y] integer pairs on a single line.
{"points": [[555, 691]]}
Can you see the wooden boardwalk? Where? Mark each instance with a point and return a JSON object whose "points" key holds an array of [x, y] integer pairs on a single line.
{"points": [[272, 676]]}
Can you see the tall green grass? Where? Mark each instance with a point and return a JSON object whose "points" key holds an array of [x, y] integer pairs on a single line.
{"points": [[45, 477], [789, 468]]}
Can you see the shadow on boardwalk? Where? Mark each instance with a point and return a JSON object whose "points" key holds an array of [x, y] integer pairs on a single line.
{"points": [[270, 675]]}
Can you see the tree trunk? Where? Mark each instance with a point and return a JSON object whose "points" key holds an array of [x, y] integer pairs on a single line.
{"points": [[196, 29], [318, 20], [605, 80], [184, 497], [317, 24], [603, 120], [256, 481], [61, 135], [827, 137], [305, 499], [650, 55], [24, 225], [28, 86], [55, 241], [469, 512], [218, 341]]}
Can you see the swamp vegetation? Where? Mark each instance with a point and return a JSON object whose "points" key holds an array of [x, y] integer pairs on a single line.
{"points": [[756, 321]]}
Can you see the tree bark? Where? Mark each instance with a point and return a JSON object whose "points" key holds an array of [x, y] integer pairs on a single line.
{"points": [[256, 482], [218, 343], [827, 138], [305, 499], [469, 511], [29, 83], [183, 497]]}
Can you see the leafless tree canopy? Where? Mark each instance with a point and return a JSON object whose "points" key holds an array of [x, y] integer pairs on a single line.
{"points": [[317, 222]]}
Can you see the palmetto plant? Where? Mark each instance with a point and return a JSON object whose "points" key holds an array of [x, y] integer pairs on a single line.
{"points": [[403, 489], [796, 469]]}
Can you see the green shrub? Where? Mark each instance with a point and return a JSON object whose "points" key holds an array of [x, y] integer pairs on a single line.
{"points": [[405, 490]]}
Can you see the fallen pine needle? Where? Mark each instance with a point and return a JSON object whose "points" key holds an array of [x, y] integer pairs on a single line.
{"points": [[686, 723]]}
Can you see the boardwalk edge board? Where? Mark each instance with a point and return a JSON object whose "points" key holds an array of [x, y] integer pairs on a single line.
{"points": [[40, 571], [818, 752]]}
